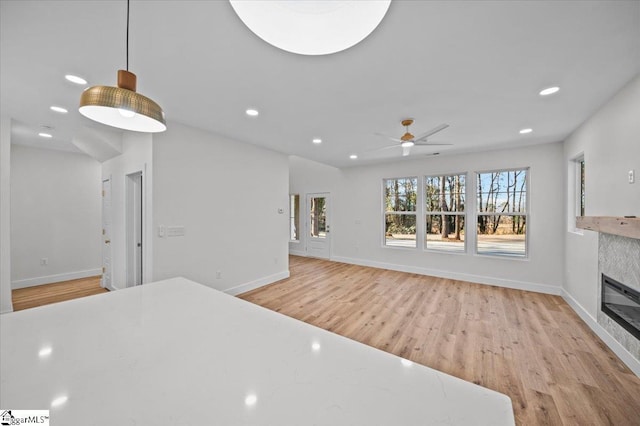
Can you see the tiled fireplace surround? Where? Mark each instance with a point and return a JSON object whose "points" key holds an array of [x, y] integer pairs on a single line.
{"points": [[619, 258]]}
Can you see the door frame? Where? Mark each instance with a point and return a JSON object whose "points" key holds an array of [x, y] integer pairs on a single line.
{"points": [[307, 222]]}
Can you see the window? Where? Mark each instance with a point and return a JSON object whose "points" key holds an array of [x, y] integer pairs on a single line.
{"points": [[580, 185], [445, 217], [318, 217], [400, 196], [502, 213], [294, 217], [576, 192]]}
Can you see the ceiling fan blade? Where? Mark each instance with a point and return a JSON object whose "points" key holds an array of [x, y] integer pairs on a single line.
{"points": [[384, 148], [389, 137], [406, 150], [432, 144], [431, 132]]}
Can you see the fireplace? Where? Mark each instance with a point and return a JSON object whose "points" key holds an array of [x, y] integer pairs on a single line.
{"points": [[622, 304]]}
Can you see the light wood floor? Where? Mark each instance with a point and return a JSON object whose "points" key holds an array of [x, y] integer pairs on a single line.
{"points": [[530, 346], [31, 297]]}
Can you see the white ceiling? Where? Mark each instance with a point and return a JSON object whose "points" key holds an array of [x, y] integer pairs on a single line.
{"points": [[476, 65]]}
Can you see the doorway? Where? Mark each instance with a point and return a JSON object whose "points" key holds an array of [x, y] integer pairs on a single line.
{"points": [[134, 226], [318, 241]]}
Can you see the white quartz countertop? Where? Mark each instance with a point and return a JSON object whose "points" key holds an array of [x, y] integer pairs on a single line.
{"points": [[179, 353]]}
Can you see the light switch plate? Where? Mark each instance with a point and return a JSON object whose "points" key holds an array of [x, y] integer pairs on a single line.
{"points": [[632, 176]]}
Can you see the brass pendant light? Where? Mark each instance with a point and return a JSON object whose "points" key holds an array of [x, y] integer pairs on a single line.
{"points": [[122, 106]]}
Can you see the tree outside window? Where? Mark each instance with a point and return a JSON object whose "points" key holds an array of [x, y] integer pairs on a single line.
{"points": [[502, 213], [445, 212], [400, 197]]}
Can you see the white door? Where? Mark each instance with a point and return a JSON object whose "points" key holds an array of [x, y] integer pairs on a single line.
{"points": [[318, 227], [134, 229], [106, 233]]}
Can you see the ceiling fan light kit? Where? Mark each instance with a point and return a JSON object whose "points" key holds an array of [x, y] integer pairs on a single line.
{"points": [[408, 140], [122, 107]]}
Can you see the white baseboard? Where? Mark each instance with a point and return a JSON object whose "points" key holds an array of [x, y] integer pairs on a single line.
{"points": [[298, 252], [617, 348], [499, 282], [48, 279], [243, 288]]}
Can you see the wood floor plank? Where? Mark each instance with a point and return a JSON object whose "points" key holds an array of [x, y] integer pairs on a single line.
{"points": [[31, 297], [532, 347]]}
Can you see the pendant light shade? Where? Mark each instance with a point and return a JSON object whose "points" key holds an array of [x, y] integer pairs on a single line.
{"points": [[122, 106]]}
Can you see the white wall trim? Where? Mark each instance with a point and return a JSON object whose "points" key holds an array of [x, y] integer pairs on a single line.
{"points": [[112, 288], [298, 252], [499, 282], [252, 285], [48, 279], [616, 347]]}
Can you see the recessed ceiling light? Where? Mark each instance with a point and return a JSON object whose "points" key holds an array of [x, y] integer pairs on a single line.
{"points": [[45, 351], [252, 112], [59, 401], [58, 109], [525, 131], [549, 91], [353, 156], [251, 399], [75, 79], [317, 140], [45, 135]]}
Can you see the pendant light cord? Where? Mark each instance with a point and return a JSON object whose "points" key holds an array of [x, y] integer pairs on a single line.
{"points": [[127, 35]]}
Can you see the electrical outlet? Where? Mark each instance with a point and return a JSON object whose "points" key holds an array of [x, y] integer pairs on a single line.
{"points": [[44, 261], [632, 176], [218, 275], [161, 231]]}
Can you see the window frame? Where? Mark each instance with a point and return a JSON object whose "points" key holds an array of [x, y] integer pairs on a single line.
{"points": [[527, 213], [405, 213], [294, 217], [575, 192], [580, 189], [426, 212]]}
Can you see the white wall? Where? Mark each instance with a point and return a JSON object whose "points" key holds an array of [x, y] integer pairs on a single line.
{"points": [[610, 142], [226, 194], [306, 177], [137, 156], [55, 214], [357, 219], [5, 212]]}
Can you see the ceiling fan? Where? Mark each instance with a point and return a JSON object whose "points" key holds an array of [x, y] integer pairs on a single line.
{"points": [[408, 140]]}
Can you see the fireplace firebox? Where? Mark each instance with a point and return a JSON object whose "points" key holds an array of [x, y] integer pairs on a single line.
{"points": [[622, 304]]}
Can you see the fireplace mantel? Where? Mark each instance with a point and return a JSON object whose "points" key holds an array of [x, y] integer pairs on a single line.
{"points": [[625, 226]]}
